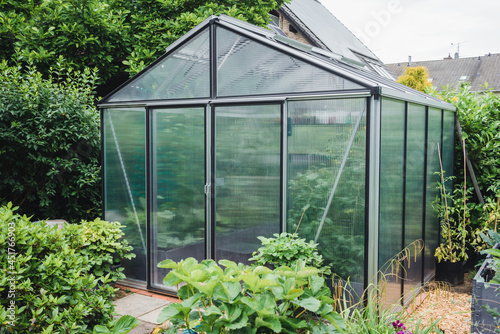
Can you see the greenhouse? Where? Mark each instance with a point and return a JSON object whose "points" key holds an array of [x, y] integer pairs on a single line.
{"points": [[238, 132]]}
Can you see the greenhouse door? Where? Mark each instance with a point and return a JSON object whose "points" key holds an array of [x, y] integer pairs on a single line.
{"points": [[246, 178], [178, 179]]}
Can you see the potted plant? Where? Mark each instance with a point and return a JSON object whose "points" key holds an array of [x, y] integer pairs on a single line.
{"points": [[485, 306], [453, 214]]}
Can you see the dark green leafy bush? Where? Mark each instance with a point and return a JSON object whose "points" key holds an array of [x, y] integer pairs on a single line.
{"points": [[243, 299], [479, 116], [46, 282], [114, 36], [49, 157]]}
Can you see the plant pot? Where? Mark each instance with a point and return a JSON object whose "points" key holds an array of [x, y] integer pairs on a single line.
{"points": [[485, 295], [450, 272]]}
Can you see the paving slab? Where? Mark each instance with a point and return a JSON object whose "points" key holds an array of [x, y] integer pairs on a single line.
{"points": [[138, 305], [143, 328], [151, 316]]}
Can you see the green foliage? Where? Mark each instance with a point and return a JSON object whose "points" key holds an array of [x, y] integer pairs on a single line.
{"points": [[416, 78], [285, 249], [49, 129], [493, 264], [492, 238], [114, 36], [121, 326], [243, 299], [105, 247], [47, 274], [344, 223], [479, 117], [375, 317], [453, 214]]}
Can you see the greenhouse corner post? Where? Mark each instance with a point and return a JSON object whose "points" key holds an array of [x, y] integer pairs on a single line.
{"points": [[339, 174], [371, 252]]}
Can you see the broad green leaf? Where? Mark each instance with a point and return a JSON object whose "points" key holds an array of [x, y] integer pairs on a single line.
{"points": [[125, 324], [316, 283], [211, 310], [492, 251], [261, 270], [251, 280], [336, 320], [228, 264], [251, 302], [307, 272], [171, 279], [293, 293], [169, 264], [272, 323], [207, 288], [99, 329], [310, 304], [232, 289], [168, 313]]}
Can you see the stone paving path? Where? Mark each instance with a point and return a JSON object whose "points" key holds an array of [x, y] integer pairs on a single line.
{"points": [[144, 306]]}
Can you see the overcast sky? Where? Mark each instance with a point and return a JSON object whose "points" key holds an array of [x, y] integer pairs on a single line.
{"points": [[423, 29]]}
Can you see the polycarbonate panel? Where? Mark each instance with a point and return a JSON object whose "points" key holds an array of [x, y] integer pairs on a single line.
{"points": [[392, 160], [178, 201], [247, 178], [414, 197], [432, 191], [320, 132], [125, 181], [247, 67], [448, 147], [185, 73]]}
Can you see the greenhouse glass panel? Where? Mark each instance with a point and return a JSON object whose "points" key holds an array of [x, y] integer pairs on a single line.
{"points": [[414, 196], [178, 201], [247, 67], [432, 191], [326, 180], [124, 139], [448, 148], [185, 73], [247, 178], [392, 157]]}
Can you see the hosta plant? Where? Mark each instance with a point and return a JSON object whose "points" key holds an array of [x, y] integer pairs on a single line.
{"points": [[244, 299]]}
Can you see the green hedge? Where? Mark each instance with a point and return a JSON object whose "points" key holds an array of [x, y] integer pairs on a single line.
{"points": [[55, 280], [49, 157]]}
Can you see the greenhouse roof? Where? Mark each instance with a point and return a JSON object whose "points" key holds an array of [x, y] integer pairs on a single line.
{"points": [[328, 30], [251, 61]]}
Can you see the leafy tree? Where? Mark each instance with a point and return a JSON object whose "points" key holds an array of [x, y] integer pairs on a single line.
{"points": [[49, 130], [118, 37], [416, 78]]}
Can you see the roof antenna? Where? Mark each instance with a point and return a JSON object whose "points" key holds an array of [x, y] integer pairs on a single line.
{"points": [[457, 54]]}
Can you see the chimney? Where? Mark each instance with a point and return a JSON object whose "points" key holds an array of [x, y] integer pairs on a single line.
{"points": [[448, 58], [456, 55], [409, 61]]}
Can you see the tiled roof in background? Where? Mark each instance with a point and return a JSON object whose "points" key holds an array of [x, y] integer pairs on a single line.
{"points": [[453, 72]]}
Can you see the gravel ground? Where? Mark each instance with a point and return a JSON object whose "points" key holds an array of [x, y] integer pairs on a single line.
{"points": [[452, 304]]}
